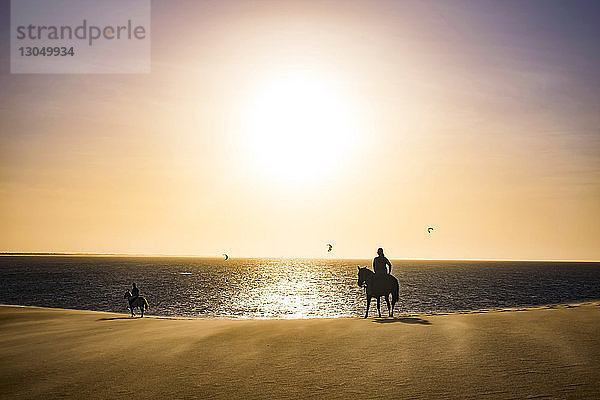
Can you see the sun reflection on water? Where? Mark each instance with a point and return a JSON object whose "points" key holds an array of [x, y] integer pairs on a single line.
{"points": [[291, 288], [287, 288]]}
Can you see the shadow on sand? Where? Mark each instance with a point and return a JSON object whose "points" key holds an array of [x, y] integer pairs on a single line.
{"points": [[405, 320], [113, 318]]}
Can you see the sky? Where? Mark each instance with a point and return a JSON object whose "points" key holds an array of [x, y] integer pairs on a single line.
{"points": [[271, 128]]}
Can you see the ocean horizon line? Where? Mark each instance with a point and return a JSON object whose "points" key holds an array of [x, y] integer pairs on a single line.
{"points": [[160, 255]]}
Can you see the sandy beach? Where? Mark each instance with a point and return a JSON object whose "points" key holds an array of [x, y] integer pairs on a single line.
{"points": [[551, 352]]}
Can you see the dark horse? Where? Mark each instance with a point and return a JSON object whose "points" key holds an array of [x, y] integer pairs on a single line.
{"points": [[377, 286], [139, 302]]}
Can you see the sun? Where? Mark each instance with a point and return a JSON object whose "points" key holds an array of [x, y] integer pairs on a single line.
{"points": [[298, 126]]}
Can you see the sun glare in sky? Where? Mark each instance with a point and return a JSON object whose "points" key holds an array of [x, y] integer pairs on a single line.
{"points": [[268, 129], [297, 126]]}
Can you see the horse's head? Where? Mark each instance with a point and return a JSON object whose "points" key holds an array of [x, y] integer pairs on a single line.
{"points": [[364, 274], [127, 295]]}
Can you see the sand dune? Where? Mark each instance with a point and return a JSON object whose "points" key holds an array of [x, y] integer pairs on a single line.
{"points": [[540, 353]]}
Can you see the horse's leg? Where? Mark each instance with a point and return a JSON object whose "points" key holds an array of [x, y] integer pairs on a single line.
{"points": [[142, 310], [368, 303], [379, 306], [387, 301], [131, 308]]}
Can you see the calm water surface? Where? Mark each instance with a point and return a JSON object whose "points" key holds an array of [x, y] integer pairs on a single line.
{"points": [[285, 288]]}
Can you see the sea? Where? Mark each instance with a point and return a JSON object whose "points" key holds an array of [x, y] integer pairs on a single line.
{"points": [[287, 288]]}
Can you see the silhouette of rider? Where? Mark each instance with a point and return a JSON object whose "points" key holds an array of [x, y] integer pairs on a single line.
{"points": [[380, 263], [135, 292]]}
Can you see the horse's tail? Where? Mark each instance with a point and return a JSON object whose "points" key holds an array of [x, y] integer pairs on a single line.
{"points": [[395, 291], [145, 304]]}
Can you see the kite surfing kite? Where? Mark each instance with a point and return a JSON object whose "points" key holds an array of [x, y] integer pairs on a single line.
{"points": [[429, 230], [329, 247], [226, 256]]}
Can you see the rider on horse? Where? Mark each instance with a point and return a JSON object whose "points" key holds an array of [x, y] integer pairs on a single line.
{"points": [[379, 283], [135, 300]]}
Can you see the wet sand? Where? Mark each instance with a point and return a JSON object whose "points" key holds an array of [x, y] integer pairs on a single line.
{"points": [[550, 352]]}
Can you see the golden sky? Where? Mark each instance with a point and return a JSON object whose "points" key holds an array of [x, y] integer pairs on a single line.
{"points": [[273, 128]]}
